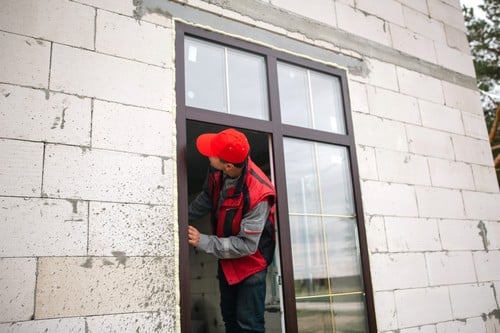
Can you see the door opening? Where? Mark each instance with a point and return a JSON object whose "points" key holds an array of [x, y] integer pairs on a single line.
{"points": [[205, 296]]}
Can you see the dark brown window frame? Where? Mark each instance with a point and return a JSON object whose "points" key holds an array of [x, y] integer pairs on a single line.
{"points": [[277, 132]]}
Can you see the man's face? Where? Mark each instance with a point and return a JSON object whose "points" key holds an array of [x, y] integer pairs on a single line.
{"points": [[216, 163]]}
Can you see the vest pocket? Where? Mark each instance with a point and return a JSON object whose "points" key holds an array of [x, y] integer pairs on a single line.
{"points": [[228, 221]]}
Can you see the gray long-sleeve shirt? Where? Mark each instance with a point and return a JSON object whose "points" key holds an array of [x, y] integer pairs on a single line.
{"points": [[246, 241]]}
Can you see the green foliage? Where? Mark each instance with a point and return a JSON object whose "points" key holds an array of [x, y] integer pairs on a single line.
{"points": [[484, 40]]}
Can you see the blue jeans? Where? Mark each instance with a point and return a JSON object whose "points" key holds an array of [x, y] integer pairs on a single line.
{"points": [[243, 304]]}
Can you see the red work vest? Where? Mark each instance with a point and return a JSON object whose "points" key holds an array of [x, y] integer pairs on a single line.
{"points": [[252, 187]]}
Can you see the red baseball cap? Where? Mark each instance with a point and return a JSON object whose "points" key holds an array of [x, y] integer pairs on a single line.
{"points": [[230, 145]]}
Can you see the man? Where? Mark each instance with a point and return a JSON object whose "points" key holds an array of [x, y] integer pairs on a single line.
{"points": [[241, 200]]}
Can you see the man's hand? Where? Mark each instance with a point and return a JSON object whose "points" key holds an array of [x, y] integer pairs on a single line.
{"points": [[193, 236]]}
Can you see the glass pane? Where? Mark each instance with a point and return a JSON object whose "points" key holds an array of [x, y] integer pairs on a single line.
{"points": [[208, 65], [205, 75], [327, 103], [350, 314], [315, 315], [309, 261], [247, 85], [310, 99], [335, 180], [324, 237], [294, 95], [303, 187], [343, 255]]}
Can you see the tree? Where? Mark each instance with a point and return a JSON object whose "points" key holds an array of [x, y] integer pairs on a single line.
{"points": [[484, 40]]}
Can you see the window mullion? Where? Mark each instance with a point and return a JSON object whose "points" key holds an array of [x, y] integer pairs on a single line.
{"points": [[226, 80]]}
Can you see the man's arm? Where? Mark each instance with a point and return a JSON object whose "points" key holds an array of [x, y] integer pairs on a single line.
{"points": [[243, 244], [200, 206]]}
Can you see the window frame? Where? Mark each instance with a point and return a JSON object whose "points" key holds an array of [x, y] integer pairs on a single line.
{"points": [[277, 131]]}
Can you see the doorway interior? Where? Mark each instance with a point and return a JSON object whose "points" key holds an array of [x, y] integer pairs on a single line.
{"points": [[205, 297]]}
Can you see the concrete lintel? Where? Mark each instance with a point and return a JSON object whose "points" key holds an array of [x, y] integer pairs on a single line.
{"points": [[261, 11]]}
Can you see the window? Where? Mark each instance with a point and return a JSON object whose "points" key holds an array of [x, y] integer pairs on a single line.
{"points": [[296, 115]]}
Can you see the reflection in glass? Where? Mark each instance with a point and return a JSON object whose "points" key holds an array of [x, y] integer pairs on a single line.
{"points": [[225, 80], [314, 315], [350, 313], [205, 75], [294, 97], [310, 99], [247, 85], [339, 314], [327, 103], [310, 265], [324, 238], [334, 177]]}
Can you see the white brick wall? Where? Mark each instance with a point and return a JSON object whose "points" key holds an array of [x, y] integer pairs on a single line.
{"points": [[144, 85], [148, 322], [73, 325], [60, 21], [472, 150], [377, 132], [484, 178], [460, 235], [443, 12], [412, 234], [110, 225], [439, 202], [420, 85], [457, 39], [367, 163], [410, 267], [441, 117], [43, 227], [382, 74], [450, 268], [21, 167], [132, 129], [397, 199], [87, 119], [321, 10], [79, 173], [385, 308], [24, 60], [389, 10], [409, 302], [359, 99], [470, 325], [464, 99], [429, 142], [401, 167], [474, 125], [422, 24], [420, 329], [420, 6], [376, 235], [470, 300], [79, 286], [455, 60], [30, 114], [373, 28], [392, 105], [413, 43], [446, 173], [17, 286], [85, 112], [487, 265], [128, 38]]}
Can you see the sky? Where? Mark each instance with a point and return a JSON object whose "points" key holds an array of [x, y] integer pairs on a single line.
{"points": [[470, 3], [474, 4]]}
